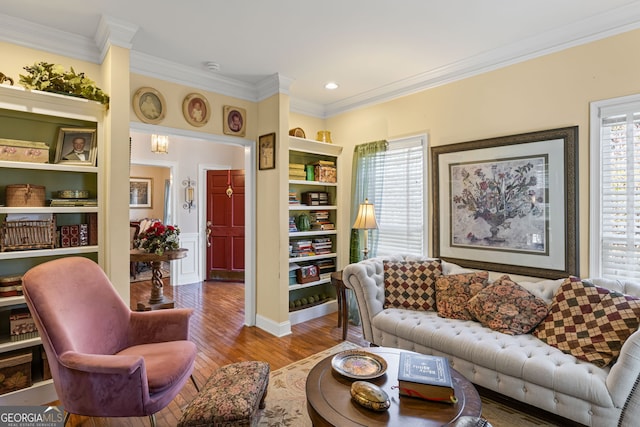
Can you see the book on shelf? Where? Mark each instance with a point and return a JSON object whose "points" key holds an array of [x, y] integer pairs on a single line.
{"points": [[426, 377], [73, 202]]}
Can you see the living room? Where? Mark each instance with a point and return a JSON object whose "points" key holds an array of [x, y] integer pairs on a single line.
{"points": [[528, 94]]}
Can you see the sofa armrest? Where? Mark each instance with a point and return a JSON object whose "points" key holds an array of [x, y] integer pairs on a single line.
{"points": [[623, 381], [366, 280]]}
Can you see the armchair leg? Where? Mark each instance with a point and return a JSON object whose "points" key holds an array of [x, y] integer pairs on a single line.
{"points": [[193, 380], [152, 420], [66, 418]]}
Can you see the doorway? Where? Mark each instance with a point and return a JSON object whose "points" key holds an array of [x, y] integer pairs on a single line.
{"points": [[225, 225]]}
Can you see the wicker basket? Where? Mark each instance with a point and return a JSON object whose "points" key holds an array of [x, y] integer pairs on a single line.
{"points": [[21, 235], [22, 195]]}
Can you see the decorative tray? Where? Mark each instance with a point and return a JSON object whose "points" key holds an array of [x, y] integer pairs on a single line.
{"points": [[359, 364]]}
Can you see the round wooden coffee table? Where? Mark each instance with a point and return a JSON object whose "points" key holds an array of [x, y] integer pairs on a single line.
{"points": [[329, 399]]}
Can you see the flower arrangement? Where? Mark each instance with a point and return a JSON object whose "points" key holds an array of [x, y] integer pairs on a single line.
{"points": [[503, 195], [158, 238], [53, 78]]}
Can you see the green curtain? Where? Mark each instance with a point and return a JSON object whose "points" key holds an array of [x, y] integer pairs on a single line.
{"points": [[368, 159]]}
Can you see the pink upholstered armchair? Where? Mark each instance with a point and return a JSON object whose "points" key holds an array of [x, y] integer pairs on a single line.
{"points": [[106, 360]]}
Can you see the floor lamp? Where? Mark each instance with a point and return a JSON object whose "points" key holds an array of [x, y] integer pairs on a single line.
{"points": [[366, 220]]}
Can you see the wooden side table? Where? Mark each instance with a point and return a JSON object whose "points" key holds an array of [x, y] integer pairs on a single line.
{"points": [[157, 299], [343, 303]]}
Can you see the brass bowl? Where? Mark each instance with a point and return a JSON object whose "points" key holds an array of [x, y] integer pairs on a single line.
{"points": [[73, 194]]}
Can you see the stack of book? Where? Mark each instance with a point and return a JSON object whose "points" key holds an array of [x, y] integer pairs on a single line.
{"points": [[321, 246], [425, 377], [320, 221], [73, 202], [296, 171], [301, 248], [293, 198], [22, 325], [292, 225]]}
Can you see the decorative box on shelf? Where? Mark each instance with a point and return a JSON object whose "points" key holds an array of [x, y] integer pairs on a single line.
{"points": [[315, 198], [307, 273], [25, 195], [325, 174], [17, 235], [24, 151], [15, 370], [22, 325], [10, 286]]}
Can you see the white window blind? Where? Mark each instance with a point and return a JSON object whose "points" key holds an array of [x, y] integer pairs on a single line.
{"points": [[615, 191], [400, 199]]}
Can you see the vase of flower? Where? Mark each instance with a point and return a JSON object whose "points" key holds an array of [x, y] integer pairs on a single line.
{"points": [[158, 239]]}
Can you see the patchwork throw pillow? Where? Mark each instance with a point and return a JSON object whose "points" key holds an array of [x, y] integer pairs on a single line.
{"points": [[507, 307], [454, 291], [589, 322], [411, 284]]}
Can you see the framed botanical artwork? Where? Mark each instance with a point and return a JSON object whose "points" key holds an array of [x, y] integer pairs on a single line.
{"points": [[140, 190], [234, 120], [508, 204], [267, 151], [76, 146], [149, 105], [196, 109]]}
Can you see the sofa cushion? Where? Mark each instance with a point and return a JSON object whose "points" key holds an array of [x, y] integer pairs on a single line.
{"points": [[589, 322], [454, 291], [411, 284], [507, 307]]}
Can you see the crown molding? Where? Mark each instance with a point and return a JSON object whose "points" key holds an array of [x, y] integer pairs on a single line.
{"points": [[618, 21], [114, 32], [307, 108], [35, 36], [275, 83]]}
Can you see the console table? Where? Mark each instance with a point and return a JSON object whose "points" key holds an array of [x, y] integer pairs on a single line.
{"points": [[156, 300]]}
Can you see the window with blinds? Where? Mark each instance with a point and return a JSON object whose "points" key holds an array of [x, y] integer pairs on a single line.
{"points": [[615, 189], [400, 198]]}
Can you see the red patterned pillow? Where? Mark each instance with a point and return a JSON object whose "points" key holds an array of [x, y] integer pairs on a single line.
{"points": [[507, 307], [454, 291], [589, 322], [411, 284]]}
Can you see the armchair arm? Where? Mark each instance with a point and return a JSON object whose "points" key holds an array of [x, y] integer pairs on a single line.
{"points": [[101, 363], [159, 326]]}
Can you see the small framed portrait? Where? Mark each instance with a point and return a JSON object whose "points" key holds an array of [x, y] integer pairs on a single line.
{"points": [[76, 146], [235, 121], [140, 192], [196, 109], [267, 151], [149, 105]]}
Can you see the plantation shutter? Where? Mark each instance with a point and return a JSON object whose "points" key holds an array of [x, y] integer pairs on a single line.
{"points": [[400, 199], [620, 191]]}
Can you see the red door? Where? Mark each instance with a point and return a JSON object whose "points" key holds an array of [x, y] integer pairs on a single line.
{"points": [[225, 225]]}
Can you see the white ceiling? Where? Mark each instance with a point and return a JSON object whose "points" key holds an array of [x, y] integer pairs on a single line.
{"points": [[374, 49]]}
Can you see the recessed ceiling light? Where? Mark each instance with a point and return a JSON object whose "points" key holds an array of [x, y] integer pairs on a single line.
{"points": [[331, 86]]}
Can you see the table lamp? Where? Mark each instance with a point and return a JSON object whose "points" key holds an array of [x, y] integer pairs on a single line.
{"points": [[366, 220]]}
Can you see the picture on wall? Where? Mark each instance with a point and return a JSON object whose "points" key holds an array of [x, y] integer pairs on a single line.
{"points": [[140, 190], [234, 120], [149, 105], [196, 109], [508, 203]]}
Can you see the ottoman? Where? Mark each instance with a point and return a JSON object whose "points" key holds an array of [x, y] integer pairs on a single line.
{"points": [[230, 397]]}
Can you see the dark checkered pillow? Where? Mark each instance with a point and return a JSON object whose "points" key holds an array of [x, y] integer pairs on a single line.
{"points": [[589, 322], [411, 284]]}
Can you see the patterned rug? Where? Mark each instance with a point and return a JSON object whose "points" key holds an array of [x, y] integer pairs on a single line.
{"points": [[286, 404]]}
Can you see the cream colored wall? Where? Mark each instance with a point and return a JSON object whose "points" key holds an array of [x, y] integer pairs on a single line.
{"points": [[544, 93], [158, 176], [174, 94], [310, 125]]}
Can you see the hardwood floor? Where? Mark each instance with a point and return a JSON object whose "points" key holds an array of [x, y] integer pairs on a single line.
{"points": [[217, 329]]}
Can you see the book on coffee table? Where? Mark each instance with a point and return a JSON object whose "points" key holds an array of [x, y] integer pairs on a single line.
{"points": [[425, 377]]}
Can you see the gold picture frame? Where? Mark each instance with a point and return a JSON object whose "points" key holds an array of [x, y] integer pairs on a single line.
{"points": [[76, 146], [196, 109], [234, 120], [149, 105], [267, 151]]}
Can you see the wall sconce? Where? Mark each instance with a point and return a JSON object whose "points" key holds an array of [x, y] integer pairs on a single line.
{"points": [[366, 220], [189, 185], [160, 144]]}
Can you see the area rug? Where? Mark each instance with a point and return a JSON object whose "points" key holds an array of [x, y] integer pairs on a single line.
{"points": [[286, 404]]}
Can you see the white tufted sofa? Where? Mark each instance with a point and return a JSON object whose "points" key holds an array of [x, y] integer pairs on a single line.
{"points": [[521, 367]]}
